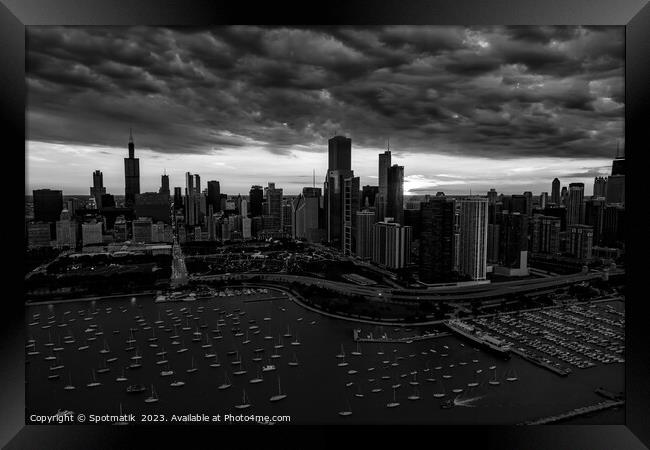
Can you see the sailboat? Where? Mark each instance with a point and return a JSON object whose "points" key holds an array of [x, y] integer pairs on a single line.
{"points": [[512, 376], [415, 395], [294, 362], [381, 350], [275, 354], [166, 372], [295, 341], [153, 398], [279, 344], [258, 378], [346, 412], [357, 352], [93, 383], [494, 381], [177, 383], [279, 395], [414, 382], [121, 421], [377, 388], [226, 383], [268, 367], [69, 386], [104, 368], [192, 369], [359, 393], [394, 403], [240, 371], [216, 362], [475, 382], [288, 333], [122, 377], [247, 340], [163, 360], [457, 390], [343, 363], [183, 349], [397, 384], [441, 392], [342, 354], [244, 403]]}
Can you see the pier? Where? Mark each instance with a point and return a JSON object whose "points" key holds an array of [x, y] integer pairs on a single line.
{"points": [[404, 340], [557, 370], [576, 412]]}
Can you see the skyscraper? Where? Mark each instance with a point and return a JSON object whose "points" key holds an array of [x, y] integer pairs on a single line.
{"points": [[197, 183], [555, 191], [437, 240], [581, 241], [307, 215], [131, 174], [545, 234], [164, 184], [382, 194], [368, 196], [256, 196], [391, 245], [600, 187], [48, 205], [529, 203], [98, 189], [564, 196], [594, 215], [340, 153], [214, 195], [274, 206], [473, 237], [574, 204], [615, 190], [395, 200], [543, 200], [178, 198], [365, 222], [189, 183], [350, 208], [513, 242]]}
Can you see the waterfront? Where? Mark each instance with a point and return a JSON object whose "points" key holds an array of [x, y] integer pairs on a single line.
{"points": [[316, 388]]}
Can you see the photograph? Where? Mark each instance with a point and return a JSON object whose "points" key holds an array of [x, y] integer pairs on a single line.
{"points": [[400, 224]]}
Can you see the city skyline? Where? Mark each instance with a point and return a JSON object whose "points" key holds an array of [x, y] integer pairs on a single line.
{"points": [[550, 105]]}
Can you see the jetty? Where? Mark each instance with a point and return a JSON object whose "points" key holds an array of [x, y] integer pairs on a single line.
{"points": [[403, 340], [576, 412]]}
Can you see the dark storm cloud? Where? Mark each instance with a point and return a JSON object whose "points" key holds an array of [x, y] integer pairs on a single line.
{"points": [[492, 91]]}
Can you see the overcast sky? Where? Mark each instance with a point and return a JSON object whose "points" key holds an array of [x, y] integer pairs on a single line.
{"points": [[464, 108]]}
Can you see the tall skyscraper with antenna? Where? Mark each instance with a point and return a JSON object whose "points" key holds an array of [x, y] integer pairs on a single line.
{"points": [[131, 174]]}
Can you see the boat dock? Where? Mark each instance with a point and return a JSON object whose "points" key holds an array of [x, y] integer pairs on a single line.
{"points": [[265, 299], [576, 412], [404, 340], [557, 370]]}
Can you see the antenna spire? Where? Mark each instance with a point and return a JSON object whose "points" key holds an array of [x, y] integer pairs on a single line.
{"points": [[313, 178], [388, 143], [130, 134]]}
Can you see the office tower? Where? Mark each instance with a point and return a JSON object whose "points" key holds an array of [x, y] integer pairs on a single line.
{"points": [[214, 195], [131, 175], [339, 149], [153, 205], [395, 199], [91, 233], [72, 205], [197, 183], [545, 234], [492, 196], [339, 153], [189, 183], [243, 208], [618, 165], [120, 230], [555, 192], [273, 200], [391, 245], [368, 196], [193, 209], [307, 216], [246, 227], [178, 198], [543, 200], [350, 207], [365, 223], [142, 230], [519, 203], [98, 189], [600, 187], [38, 235], [473, 237], [559, 212], [529, 203], [164, 185], [614, 226], [615, 189], [574, 204], [255, 197], [513, 243], [287, 218], [581, 241], [203, 204], [107, 201], [66, 231], [594, 214], [564, 196], [48, 205], [382, 191], [437, 226], [494, 231]]}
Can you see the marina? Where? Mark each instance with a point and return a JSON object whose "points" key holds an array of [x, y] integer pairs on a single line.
{"points": [[417, 375]]}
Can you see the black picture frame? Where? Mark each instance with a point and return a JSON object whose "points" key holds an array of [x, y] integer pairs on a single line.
{"points": [[633, 14]]}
